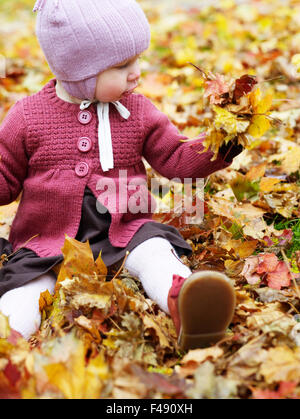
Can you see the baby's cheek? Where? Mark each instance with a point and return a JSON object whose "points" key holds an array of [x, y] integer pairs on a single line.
{"points": [[109, 91], [115, 88]]}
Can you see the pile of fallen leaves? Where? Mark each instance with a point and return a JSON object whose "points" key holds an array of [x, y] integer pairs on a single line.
{"points": [[101, 336]]}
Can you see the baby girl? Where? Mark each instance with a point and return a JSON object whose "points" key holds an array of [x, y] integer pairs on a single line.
{"points": [[84, 129]]}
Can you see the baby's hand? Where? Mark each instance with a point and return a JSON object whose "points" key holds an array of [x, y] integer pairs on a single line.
{"points": [[230, 150]]}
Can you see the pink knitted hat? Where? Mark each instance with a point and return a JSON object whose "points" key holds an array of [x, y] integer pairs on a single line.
{"points": [[82, 38]]}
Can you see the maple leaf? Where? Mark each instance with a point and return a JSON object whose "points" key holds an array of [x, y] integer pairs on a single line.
{"points": [[229, 122], [275, 272], [267, 263], [243, 85], [214, 89], [249, 271], [259, 125], [259, 122], [280, 277]]}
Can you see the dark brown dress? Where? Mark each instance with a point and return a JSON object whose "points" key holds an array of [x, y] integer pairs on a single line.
{"points": [[26, 265]]}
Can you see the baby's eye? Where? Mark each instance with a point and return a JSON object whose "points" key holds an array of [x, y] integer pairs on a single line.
{"points": [[128, 63], [122, 66]]}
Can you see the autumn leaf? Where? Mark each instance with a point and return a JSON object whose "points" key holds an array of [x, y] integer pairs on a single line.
{"points": [[285, 390], [259, 125], [275, 272], [267, 183], [74, 379], [79, 259], [149, 323], [281, 364], [280, 277], [243, 85], [228, 121], [256, 172], [261, 106], [214, 89]]}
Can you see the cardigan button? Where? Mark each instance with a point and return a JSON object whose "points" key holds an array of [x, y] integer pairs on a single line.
{"points": [[81, 169], [84, 144], [84, 117]]}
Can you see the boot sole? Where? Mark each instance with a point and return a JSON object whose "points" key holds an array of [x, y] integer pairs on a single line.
{"points": [[206, 306]]}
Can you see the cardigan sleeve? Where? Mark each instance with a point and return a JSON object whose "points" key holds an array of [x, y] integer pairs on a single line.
{"points": [[170, 157], [13, 156]]}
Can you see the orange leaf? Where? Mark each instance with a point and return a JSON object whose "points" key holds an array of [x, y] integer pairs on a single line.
{"points": [[256, 172], [266, 184]]}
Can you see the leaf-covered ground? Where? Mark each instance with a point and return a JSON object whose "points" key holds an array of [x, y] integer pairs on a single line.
{"points": [[101, 336]]}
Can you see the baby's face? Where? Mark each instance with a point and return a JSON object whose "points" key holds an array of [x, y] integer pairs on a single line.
{"points": [[115, 82]]}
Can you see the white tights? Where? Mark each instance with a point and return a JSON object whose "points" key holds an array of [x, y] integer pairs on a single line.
{"points": [[154, 262], [21, 305]]}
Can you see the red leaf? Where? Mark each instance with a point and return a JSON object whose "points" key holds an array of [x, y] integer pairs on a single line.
{"points": [[265, 394], [215, 89], [287, 387], [268, 263], [285, 237], [243, 85], [281, 277], [268, 241], [285, 390], [12, 373]]}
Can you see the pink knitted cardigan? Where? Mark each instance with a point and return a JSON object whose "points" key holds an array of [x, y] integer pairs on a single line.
{"points": [[40, 157]]}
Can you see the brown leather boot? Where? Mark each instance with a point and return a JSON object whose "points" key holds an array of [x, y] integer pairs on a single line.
{"points": [[201, 307]]}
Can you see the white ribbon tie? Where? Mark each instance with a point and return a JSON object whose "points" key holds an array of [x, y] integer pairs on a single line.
{"points": [[104, 132]]}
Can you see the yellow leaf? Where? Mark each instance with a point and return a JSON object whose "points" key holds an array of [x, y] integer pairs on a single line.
{"points": [[45, 300], [97, 368], [267, 184], [74, 379], [90, 326], [259, 104], [149, 323], [265, 104], [259, 125], [213, 141], [246, 248], [290, 159], [200, 355], [256, 172], [78, 260], [282, 364], [100, 265], [229, 121]]}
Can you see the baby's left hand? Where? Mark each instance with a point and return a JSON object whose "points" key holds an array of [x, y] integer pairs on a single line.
{"points": [[230, 150]]}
